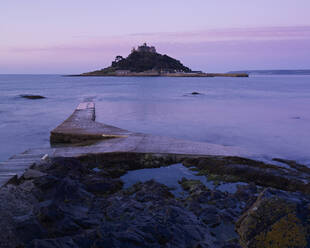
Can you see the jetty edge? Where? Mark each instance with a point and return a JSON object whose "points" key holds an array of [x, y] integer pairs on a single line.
{"points": [[74, 195]]}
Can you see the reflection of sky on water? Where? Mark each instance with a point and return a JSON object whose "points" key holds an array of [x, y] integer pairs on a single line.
{"points": [[171, 175], [266, 115]]}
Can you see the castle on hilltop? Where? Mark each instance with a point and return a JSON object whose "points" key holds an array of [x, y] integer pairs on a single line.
{"points": [[145, 48]]}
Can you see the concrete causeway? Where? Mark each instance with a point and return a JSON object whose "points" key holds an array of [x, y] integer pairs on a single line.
{"points": [[81, 135], [81, 126]]}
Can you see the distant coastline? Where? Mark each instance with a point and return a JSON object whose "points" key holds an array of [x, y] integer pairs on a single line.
{"points": [[274, 72]]}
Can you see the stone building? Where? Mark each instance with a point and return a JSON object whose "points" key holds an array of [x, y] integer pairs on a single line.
{"points": [[146, 48]]}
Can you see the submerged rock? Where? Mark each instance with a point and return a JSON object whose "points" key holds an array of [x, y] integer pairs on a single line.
{"points": [[32, 97], [238, 169], [294, 165], [194, 93]]}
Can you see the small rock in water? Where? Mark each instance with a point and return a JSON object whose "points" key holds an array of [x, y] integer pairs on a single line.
{"points": [[196, 93], [32, 97]]}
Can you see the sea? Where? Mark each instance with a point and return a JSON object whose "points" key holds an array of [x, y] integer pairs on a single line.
{"points": [[266, 115]]}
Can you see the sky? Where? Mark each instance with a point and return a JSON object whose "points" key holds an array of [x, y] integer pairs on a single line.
{"points": [[75, 36]]}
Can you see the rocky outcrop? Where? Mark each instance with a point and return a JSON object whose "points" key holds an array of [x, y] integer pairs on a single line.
{"points": [[79, 207], [66, 202]]}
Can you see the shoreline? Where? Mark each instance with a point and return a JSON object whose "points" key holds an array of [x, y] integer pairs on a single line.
{"points": [[76, 194]]}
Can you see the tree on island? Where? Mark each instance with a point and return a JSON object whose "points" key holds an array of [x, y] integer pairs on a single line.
{"points": [[116, 60]]}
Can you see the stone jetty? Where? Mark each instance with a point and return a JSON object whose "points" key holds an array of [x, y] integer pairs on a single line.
{"points": [[80, 134], [81, 127]]}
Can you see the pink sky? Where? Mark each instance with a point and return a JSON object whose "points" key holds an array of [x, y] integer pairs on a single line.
{"points": [[73, 37]]}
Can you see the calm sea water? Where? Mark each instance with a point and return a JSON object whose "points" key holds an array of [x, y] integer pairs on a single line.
{"points": [[266, 115]]}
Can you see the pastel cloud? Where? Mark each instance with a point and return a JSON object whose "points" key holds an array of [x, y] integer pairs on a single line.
{"points": [[218, 50], [261, 33]]}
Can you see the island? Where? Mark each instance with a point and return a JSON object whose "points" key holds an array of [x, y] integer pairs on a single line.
{"points": [[146, 61]]}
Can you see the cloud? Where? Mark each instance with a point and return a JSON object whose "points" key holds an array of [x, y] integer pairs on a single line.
{"points": [[89, 44], [260, 33], [215, 50]]}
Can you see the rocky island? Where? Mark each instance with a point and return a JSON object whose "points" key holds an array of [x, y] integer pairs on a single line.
{"points": [[145, 61]]}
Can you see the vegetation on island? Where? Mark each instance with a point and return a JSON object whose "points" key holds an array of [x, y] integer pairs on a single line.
{"points": [[143, 59]]}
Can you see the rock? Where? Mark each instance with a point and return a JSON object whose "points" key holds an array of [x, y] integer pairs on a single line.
{"points": [[237, 169], [63, 218], [68, 204], [32, 97], [154, 225], [65, 242], [62, 167], [195, 93], [293, 164], [115, 172], [103, 185], [152, 191], [14, 203], [28, 228], [67, 226], [13, 180], [276, 219], [27, 186], [191, 185], [46, 182], [31, 174], [71, 190], [210, 216]]}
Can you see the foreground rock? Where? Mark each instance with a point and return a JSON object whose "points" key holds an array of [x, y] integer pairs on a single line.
{"points": [[276, 219], [65, 202]]}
